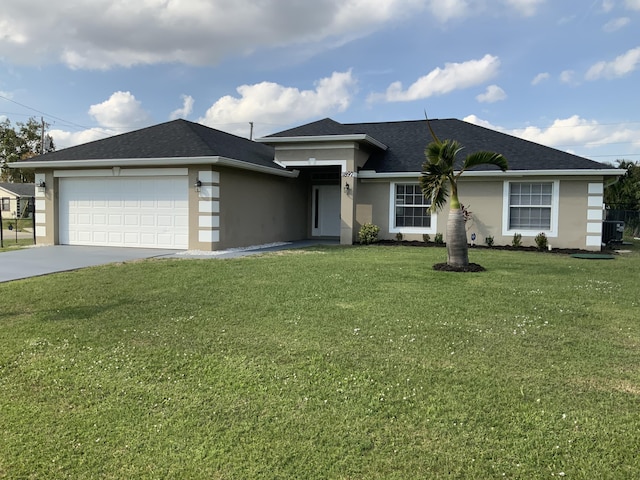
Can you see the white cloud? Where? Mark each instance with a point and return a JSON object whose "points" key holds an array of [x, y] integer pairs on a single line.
{"points": [[567, 76], [527, 8], [633, 4], [185, 111], [454, 76], [266, 104], [445, 10], [120, 112], [493, 94], [607, 5], [541, 77], [621, 66], [271, 103], [100, 34], [64, 139], [576, 133], [616, 24]]}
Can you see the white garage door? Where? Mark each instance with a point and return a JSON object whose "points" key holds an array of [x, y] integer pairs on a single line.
{"points": [[151, 212]]}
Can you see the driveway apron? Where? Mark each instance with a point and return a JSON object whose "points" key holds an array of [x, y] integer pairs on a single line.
{"points": [[32, 262]]}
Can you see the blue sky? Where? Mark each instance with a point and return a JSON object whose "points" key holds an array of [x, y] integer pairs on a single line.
{"points": [[561, 73]]}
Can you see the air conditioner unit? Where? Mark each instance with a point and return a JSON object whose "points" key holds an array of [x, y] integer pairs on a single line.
{"points": [[612, 231]]}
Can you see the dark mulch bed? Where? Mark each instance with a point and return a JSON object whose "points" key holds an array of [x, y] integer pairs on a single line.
{"points": [[472, 267], [417, 243]]}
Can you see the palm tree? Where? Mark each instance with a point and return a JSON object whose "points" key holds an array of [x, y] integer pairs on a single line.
{"points": [[439, 181]]}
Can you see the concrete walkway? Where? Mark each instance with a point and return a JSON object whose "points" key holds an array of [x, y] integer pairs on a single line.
{"points": [[36, 261]]}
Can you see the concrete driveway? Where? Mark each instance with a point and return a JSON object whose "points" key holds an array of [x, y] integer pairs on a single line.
{"points": [[35, 261]]}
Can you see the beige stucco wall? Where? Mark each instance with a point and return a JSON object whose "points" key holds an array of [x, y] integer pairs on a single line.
{"points": [[484, 198], [253, 209]]}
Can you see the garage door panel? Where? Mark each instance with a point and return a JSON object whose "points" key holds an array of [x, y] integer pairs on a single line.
{"points": [[100, 237], [135, 212], [182, 221], [131, 220]]}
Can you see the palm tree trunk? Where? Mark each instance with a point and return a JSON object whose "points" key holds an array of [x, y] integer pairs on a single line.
{"points": [[457, 247]]}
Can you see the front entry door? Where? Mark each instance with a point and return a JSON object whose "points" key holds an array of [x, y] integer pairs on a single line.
{"points": [[326, 211]]}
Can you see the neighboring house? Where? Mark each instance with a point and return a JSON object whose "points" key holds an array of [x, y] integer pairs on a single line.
{"points": [[15, 199], [186, 186]]}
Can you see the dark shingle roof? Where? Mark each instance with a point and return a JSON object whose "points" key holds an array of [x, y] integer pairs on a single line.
{"points": [[20, 189], [178, 138], [406, 142]]}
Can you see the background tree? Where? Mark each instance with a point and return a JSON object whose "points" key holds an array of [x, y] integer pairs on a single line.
{"points": [[21, 142], [625, 193], [439, 181], [623, 198]]}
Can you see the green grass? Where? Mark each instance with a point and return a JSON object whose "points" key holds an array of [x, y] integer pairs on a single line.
{"points": [[9, 243], [22, 222], [325, 363]]}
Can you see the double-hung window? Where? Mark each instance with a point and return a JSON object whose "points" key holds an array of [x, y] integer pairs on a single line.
{"points": [[531, 207], [6, 204], [409, 210]]}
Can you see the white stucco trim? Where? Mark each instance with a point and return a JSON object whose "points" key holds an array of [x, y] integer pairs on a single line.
{"points": [[594, 227], [555, 209], [595, 202], [596, 189], [122, 172], [312, 162], [359, 137], [594, 215], [594, 241]]}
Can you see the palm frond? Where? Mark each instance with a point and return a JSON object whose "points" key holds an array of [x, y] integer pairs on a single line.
{"points": [[433, 134], [433, 152], [485, 158], [434, 187], [443, 153]]}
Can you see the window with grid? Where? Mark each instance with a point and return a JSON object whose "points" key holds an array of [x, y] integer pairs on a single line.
{"points": [[530, 205], [411, 208], [6, 205]]}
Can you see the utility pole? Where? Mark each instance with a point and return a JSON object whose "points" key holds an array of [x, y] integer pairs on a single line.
{"points": [[42, 137], [251, 131]]}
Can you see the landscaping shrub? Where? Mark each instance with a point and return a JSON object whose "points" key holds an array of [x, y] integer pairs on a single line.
{"points": [[438, 240], [426, 238], [517, 240], [541, 241], [399, 236], [368, 233]]}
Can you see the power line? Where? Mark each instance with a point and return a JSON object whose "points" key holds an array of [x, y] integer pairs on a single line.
{"points": [[46, 114]]}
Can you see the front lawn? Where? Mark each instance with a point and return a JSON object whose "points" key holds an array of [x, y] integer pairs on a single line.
{"points": [[328, 362]]}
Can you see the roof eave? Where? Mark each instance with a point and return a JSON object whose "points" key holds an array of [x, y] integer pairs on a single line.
{"points": [[606, 172], [157, 162]]}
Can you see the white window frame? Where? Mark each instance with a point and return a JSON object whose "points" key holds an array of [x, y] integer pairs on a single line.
{"points": [[392, 214], [5, 201], [555, 207]]}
